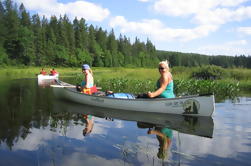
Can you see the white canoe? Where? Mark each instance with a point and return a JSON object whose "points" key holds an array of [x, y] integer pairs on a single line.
{"points": [[193, 125], [47, 77], [196, 105], [42, 78]]}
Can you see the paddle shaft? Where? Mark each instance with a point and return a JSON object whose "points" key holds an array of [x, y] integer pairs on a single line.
{"points": [[68, 86]]}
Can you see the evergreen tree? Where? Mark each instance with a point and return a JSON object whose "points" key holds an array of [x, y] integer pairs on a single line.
{"points": [[112, 46], [26, 46], [11, 23], [83, 57], [124, 46], [80, 33], [69, 34], [62, 34], [2, 25], [38, 40], [108, 59], [24, 16], [101, 38]]}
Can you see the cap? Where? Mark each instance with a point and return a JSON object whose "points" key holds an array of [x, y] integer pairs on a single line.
{"points": [[85, 67]]}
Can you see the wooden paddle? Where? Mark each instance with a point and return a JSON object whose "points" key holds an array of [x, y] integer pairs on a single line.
{"points": [[63, 86], [68, 86]]}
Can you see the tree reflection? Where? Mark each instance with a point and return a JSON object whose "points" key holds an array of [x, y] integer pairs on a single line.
{"points": [[24, 105]]}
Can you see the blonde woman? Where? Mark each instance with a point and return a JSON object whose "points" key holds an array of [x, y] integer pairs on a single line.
{"points": [[88, 81], [165, 82]]}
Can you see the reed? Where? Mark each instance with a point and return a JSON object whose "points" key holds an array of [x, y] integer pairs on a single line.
{"points": [[140, 80]]}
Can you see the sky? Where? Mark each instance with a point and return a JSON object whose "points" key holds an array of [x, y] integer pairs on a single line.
{"points": [[211, 27]]}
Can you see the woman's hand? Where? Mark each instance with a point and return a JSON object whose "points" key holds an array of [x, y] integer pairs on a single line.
{"points": [[150, 94], [150, 131]]}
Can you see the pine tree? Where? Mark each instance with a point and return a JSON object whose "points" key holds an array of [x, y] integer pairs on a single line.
{"points": [[11, 23], [24, 16], [80, 33], [112, 46], [2, 25]]}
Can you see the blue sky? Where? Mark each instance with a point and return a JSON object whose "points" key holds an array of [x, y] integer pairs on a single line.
{"points": [[212, 27]]}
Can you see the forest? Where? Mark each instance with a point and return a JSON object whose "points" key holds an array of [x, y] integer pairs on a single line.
{"points": [[39, 41]]}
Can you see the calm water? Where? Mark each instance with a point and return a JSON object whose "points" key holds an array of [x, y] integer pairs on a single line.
{"points": [[37, 129]]}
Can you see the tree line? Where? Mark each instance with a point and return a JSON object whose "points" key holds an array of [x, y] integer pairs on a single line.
{"points": [[34, 41], [192, 59], [31, 40]]}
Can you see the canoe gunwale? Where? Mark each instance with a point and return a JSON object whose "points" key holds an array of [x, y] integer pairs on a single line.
{"points": [[138, 99]]}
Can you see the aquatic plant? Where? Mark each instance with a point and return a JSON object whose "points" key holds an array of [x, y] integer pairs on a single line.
{"points": [[209, 73], [221, 89]]}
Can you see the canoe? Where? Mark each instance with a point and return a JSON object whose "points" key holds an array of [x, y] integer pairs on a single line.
{"points": [[196, 105], [47, 80], [47, 77], [192, 125]]}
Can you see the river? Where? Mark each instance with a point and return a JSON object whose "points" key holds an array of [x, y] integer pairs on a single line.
{"points": [[38, 129]]}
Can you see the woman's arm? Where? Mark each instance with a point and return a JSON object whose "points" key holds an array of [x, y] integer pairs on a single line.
{"points": [[88, 80], [165, 81]]}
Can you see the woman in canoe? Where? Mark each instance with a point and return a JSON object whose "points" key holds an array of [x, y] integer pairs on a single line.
{"points": [[165, 82], [87, 85], [53, 72]]}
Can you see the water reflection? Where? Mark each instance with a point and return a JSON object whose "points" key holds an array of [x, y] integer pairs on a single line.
{"points": [[200, 126], [46, 82], [164, 136], [89, 120], [36, 129]]}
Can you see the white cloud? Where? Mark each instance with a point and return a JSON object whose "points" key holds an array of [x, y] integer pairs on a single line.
{"points": [[245, 30], [34, 140], [79, 9], [157, 30], [208, 15], [237, 43], [222, 15], [188, 7], [214, 12], [231, 48], [143, 0]]}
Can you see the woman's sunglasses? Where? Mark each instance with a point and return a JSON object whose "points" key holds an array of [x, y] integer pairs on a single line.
{"points": [[161, 68]]}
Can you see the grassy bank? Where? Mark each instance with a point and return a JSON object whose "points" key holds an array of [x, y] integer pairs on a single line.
{"points": [[134, 77]]}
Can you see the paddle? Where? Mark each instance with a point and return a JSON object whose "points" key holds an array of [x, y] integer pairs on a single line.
{"points": [[68, 86], [63, 86]]}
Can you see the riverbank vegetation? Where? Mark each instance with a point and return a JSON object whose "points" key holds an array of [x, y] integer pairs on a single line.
{"points": [[229, 82]]}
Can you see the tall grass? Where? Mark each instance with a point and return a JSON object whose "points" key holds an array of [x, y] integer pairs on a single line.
{"points": [[140, 80]]}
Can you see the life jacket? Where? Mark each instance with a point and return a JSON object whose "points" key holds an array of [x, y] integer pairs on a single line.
{"points": [[43, 72], [53, 72], [90, 91]]}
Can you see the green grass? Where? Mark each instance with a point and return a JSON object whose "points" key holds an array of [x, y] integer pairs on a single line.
{"points": [[139, 80]]}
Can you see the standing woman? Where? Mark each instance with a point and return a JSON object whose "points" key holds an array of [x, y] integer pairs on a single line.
{"points": [[88, 81], [165, 82]]}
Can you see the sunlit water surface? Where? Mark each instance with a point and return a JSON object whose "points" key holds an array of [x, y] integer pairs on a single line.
{"points": [[37, 129]]}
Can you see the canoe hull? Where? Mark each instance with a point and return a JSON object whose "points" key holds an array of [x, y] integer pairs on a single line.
{"points": [[199, 125], [46, 79], [190, 105]]}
